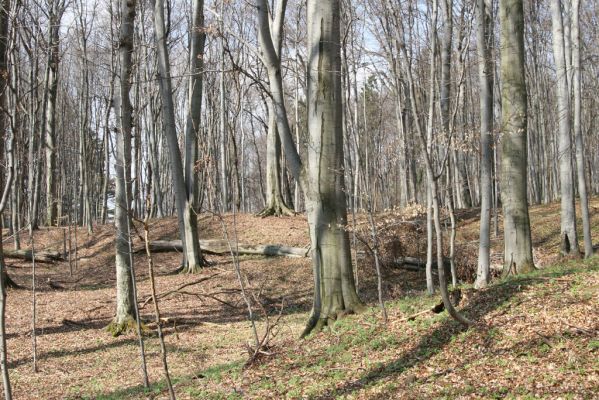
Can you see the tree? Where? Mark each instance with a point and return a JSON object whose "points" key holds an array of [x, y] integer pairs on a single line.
{"points": [[517, 254], [569, 237], [579, 140], [484, 42], [125, 311], [56, 10], [322, 178], [194, 112], [184, 196], [4, 187], [272, 46]]}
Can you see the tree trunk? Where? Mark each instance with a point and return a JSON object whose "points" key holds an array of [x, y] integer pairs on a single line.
{"points": [[4, 189], [323, 181], [56, 11], [125, 312], [275, 204], [484, 43], [577, 79], [193, 127], [192, 257], [223, 142], [334, 286], [517, 237], [221, 247], [569, 238]]}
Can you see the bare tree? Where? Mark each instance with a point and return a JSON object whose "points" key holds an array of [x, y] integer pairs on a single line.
{"points": [[322, 179], [517, 255], [125, 313], [56, 10], [569, 236], [578, 137], [192, 256], [484, 42], [5, 187], [271, 49]]}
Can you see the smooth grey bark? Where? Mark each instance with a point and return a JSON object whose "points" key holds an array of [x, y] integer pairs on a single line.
{"points": [[223, 142], [569, 236], [194, 112], [106, 146], [444, 102], [335, 292], [125, 312], [11, 102], [416, 119], [84, 117], [322, 179], [5, 188], [275, 204], [432, 184], [192, 257], [271, 60], [428, 146], [33, 145], [56, 11], [578, 137], [517, 255], [484, 43]]}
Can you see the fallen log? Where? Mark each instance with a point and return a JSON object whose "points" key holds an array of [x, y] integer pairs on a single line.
{"points": [[419, 265], [221, 247], [40, 256]]}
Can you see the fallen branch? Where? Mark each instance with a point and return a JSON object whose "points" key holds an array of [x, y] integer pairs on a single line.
{"points": [[40, 256], [438, 308], [221, 247], [417, 264], [160, 296], [456, 297]]}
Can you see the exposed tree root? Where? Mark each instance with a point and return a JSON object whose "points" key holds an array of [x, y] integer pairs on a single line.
{"points": [[194, 269], [317, 323], [278, 209], [116, 328], [8, 282]]}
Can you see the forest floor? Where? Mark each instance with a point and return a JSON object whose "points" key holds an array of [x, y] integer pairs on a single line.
{"points": [[536, 336]]}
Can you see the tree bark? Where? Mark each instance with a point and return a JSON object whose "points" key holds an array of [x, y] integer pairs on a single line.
{"points": [[569, 237], [334, 286], [577, 85], [4, 190], [484, 43], [221, 247], [125, 312], [194, 114], [56, 12], [192, 257], [271, 47], [517, 238], [275, 204], [323, 179], [40, 256]]}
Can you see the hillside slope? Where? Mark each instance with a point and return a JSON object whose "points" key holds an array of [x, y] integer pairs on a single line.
{"points": [[536, 335]]}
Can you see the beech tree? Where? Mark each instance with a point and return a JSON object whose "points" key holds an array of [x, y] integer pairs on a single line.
{"points": [[578, 136], [272, 47], [184, 194], [517, 256], [321, 178], [569, 236], [5, 185], [484, 43], [125, 311], [56, 10]]}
